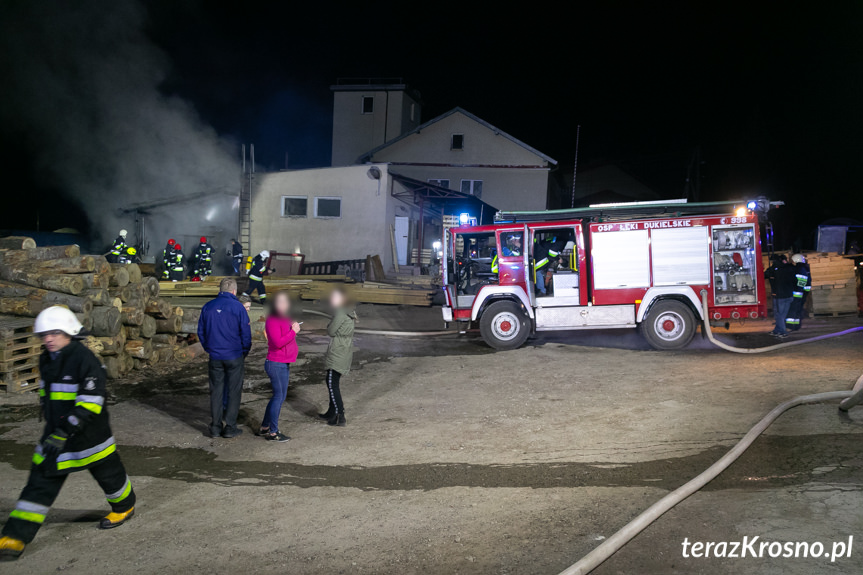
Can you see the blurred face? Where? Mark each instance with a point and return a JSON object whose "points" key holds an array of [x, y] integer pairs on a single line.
{"points": [[337, 299], [55, 340], [248, 306], [282, 305]]}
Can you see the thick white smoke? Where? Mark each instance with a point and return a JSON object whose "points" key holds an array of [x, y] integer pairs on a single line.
{"points": [[81, 80]]}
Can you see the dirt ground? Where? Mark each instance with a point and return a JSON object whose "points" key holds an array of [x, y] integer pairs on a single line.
{"points": [[456, 459]]}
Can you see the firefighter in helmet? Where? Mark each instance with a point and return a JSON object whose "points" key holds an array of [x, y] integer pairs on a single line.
{"points": [[166, 257], [130, 256], [512, 247], [545, 252], [203, 259], [77, 434], [118, 248], [256, 275], [176, 263], [800, 292]]}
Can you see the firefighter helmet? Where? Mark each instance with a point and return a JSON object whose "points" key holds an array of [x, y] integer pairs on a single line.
{"points": [[171, 242], [131, 251], [798, 259], [265, 254], [123, 234], [177, 247], [57, 318], [203, 239]]}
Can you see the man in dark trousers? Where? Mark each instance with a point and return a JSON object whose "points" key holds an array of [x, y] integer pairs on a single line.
{"points": [[175, 263], [236, 255], [203, 259], [226, 335], [256, 275], [782, 282], [167, 255], [802, 287], [77, 434]]}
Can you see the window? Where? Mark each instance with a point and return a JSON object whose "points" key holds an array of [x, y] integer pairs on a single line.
{"points": [[472, 187], [457, 142], [368, 104], [328, 207], [295, 206], [441, 183]]}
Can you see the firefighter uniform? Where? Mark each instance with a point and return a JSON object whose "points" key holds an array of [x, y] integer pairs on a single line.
{"points": [[543, 253], [236, 256], [118, 248], [203, 259], [256, 275], [175, 264], [799, 294], [72, 395], [167, 253]]}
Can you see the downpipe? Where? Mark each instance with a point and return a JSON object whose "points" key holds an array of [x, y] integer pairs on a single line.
{"points": [[611, 545]]}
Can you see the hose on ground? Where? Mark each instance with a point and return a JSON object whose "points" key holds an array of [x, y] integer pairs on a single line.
{"points": [[388, 332], [611, 545]]}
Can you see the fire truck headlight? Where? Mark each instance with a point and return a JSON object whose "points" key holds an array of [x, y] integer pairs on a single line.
{"points": [[741, 212], [436, 246]]}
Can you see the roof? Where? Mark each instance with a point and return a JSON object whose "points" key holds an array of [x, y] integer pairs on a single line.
{"points": [[457, 110], [437, 194]]}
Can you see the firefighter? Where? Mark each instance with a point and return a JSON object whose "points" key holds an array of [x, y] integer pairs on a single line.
{"points": [[166, 256], [544, 251], [129, 256], [77, 435], [800, 292], [118, 248], [203, 259], [236, 256], [176, 263], [782, 283], [512, 248], [256, 275]]}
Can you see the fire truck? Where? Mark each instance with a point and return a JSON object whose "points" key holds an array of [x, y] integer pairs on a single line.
{"points": [[639, 265]]}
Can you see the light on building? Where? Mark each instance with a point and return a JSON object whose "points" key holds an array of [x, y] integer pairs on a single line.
{"points": [[463, 218]]}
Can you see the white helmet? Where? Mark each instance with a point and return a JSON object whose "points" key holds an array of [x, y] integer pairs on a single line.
{"points": [[57, 318], [265, 254], [123, 234], [798, 259]]}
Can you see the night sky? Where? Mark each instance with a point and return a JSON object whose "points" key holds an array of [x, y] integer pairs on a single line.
{"points": [[772, 96]]}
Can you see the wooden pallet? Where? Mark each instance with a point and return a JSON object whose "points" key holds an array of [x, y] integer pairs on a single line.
{"points": [[14, 328], [24, 379]]}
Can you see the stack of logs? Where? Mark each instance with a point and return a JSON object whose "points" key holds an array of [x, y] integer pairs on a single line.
{"points": [[128, 324]]}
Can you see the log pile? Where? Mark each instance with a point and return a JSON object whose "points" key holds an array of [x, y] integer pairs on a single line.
{"points": [[834, 285], [126, 321]]}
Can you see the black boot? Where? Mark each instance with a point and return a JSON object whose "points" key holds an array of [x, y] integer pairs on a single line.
{"points": [[329, 414], [337, 420]]}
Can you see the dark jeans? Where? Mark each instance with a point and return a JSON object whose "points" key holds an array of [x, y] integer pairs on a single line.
{"points": [[279, 374], [225, 374], [336, 404], [256, 285], [237, 262], [42, 489], [780, 312]]}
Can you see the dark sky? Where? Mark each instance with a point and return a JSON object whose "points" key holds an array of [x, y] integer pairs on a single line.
{"points": [[771, 95]]}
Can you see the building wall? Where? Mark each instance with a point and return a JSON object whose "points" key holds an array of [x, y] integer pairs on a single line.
{"points": [[363, 228], [355, 133]]}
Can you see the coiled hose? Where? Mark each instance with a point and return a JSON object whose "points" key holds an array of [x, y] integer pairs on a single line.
{"points": [[611, 545]]}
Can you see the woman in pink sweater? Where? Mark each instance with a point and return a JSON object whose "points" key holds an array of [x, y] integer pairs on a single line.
{"points": [[282, 351]]}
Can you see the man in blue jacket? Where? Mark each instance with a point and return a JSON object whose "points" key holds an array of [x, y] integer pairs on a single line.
{"points": [[225, 333]]}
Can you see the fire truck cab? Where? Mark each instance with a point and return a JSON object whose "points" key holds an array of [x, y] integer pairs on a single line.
{"points": [[641, 265]]}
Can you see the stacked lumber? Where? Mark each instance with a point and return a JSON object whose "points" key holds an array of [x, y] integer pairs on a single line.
{"points": [[834, 285], [119, 308]]}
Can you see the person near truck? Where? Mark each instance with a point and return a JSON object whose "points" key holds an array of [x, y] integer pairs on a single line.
{"points": [[802, 287], [281, 332], [77, 434], [544, 253], [339, 355], [782, 283], [256, 275], [225, 334]]}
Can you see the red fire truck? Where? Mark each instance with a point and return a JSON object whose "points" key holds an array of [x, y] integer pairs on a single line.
{"points": [[638, 265]]}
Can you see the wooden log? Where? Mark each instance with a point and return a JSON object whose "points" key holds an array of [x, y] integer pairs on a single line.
{"points": [[151, 285], [189, 353], [178, 311], [17, 243], [165, 354], [142, 363], [119, 275], [127, 364], [20, 306], [170, 325], [45, 297], [148, 326], [132, 315], [102, 267], [106, 321], [134, 273], [159, 308], [117, 303], [189, 327], [139, 348], [99, 296], [102, 279], [76, 265], [132, 331], [125, 293], [164, 339], [111, 345], [86, 321], [71, 284], [94, 281], [94, 344], [112, 366]]}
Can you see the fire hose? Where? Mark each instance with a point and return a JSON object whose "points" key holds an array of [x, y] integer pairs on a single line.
{"points": [[386, 332], [611, 545]]}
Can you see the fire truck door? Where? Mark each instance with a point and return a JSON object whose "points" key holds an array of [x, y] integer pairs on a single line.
{"points": [[528, 267]]}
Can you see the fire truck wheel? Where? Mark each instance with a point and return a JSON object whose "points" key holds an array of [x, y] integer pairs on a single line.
{"points": [[504, 325], [668, 325]]}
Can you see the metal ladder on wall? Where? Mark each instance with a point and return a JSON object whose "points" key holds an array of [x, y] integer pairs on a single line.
{"points": [[247, 179]]}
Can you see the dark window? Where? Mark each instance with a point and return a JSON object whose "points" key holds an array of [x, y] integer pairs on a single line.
{"points": [[295, 206], [458, 141], [441, 183], [368, 104], [328, 207], [472, 187]]}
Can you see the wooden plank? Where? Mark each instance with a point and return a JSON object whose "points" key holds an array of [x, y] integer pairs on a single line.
{"points": [[395, 251]]}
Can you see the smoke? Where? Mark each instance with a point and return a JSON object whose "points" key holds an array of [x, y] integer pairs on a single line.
{"points": [[81, 84]]}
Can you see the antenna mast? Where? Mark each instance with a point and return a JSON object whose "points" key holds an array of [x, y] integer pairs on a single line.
{"points": [[575, 165]]}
